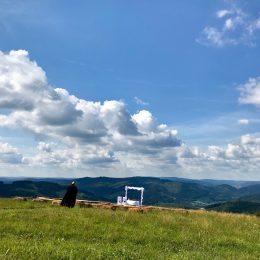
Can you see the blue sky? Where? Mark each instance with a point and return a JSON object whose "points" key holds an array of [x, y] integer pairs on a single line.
{"points": [[188, 63]]}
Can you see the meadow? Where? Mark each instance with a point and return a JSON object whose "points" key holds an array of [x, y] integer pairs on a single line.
{"points": [[31, 230]]}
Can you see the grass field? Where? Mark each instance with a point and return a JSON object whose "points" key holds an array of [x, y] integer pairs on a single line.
{"points": [[30, 230]]}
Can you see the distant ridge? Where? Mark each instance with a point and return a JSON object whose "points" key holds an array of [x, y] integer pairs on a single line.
{"points": [[158, 191], [204, 182], [212, 182]]}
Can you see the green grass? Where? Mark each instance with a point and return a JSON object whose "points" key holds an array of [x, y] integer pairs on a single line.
{"points": [[30, 230]]}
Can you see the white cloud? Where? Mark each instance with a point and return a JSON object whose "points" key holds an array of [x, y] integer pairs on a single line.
{"points": [[75, 156], [250, 92], [139, 101], [243, 121], [94, 138], [250, 140], [229, 24], [87, 132], [242, 158], [234, 26], [214, 36], [254, 26], [144, 121], [223, 13], [9, 154], [45, 147]]}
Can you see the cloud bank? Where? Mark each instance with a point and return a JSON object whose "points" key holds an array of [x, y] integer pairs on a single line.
{"points": [[85, 138], [87, 132]]}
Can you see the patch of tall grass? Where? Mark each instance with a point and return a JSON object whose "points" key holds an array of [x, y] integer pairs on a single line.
{"points": [[30, 230]]}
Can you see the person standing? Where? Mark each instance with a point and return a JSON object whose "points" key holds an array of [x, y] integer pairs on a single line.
{"points": [[69, 199]]}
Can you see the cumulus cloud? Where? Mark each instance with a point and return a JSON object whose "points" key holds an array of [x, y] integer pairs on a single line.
{"points": [[22, 81], [248, 148], [241, 158], [87, 132], [144, 121], [74, 133], [51, 154], [234, 26], [250, 140]]}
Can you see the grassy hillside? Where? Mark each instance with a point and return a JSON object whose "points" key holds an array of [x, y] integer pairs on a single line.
{"points": [[31, 230]]}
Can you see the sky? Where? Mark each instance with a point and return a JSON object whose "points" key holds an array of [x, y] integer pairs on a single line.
{"points": [[130, 88]]}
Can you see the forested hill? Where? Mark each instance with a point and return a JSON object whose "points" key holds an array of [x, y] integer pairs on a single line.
{"points": [[35, 189], [238, 206], [157, 191]]}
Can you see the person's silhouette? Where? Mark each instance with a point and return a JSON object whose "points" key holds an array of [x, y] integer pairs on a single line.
{"points": [[69, 199]]}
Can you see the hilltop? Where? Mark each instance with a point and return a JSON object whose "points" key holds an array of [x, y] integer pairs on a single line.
{"points": [[31, 230]]}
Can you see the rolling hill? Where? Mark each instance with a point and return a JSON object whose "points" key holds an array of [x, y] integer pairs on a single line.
{"points": [[252, 198], [35, 189], [238, 206], [161, 192]]}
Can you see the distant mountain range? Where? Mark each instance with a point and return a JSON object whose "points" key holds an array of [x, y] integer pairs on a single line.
{"points": [[204, 182], [158, 191], [210, 182]]}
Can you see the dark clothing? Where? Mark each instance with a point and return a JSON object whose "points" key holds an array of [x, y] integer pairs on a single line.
{"points": [[69, 199]]}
